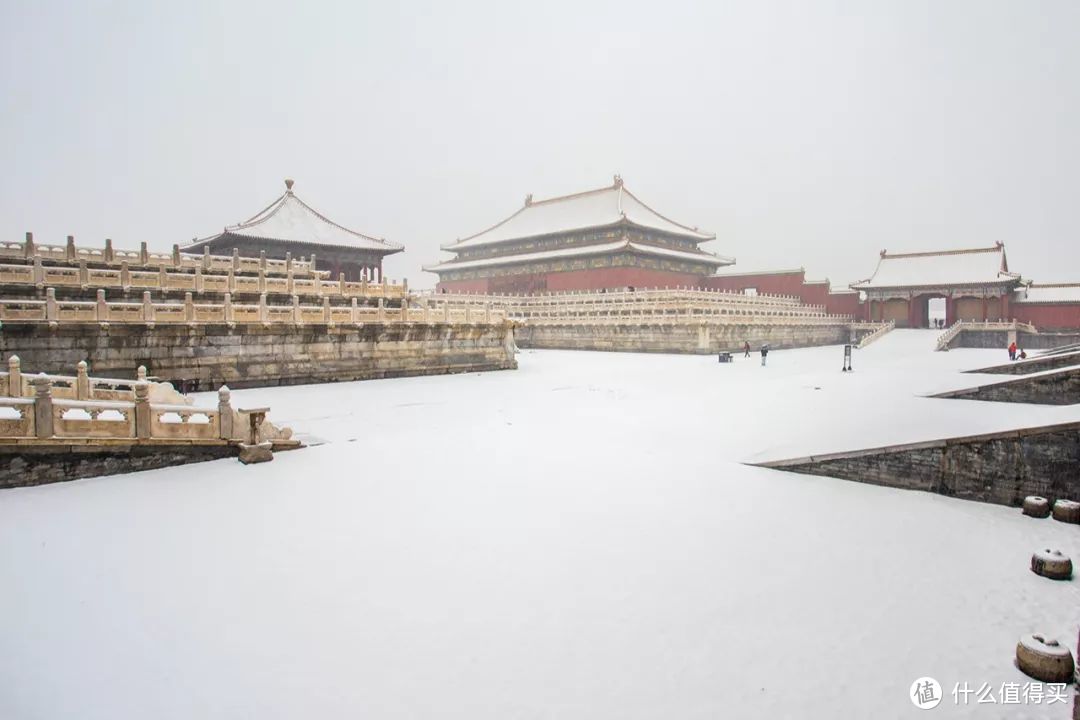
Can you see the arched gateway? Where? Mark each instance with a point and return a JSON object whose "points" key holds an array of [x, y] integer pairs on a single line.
{"points": [[976, 285]]}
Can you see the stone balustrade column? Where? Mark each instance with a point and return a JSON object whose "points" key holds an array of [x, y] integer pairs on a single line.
{"points": [[29, 249], [341, 284], [69, 250], [487, 313], [311, 264], [189, 308], [205, 258], [110, 255], [230, 281], [125, 276], [235, 263], [82, 382], [14, 388], [446, 312], [405, 285], [142, 410], [163, 278], [262, 306], [327, 317], [140, 373], [262, 262], [262, 279], [176, 259], [288, 268], [144, 254], [289, 287], [381, 315], [296, 317], [52, 312], [225, 413], [227, 309], [199, 280], [84, 275], [147, 307], [39, 272], [43, 407], [101, 309], [353, 312]]}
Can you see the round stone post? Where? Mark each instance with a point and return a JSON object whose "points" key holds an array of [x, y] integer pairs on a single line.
{"points": [[142, 410], [14, 377], [43, 406], [225, 413], [82, 382], [140, 373]]}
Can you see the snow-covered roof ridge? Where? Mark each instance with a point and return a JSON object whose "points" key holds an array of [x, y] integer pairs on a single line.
{"points": [[1048, 293], [291, 219], [584, 250], [601, 207], [968, 266]]}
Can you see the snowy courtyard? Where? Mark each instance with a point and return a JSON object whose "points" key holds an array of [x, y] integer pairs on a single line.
{"points": [[579, 538]]}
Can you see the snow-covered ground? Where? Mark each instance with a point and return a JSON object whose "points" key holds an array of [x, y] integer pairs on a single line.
{"points": [[574, 539]]}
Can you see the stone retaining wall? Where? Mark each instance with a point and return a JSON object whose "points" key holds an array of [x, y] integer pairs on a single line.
{"points": [[1054, 387], [24, 465], [1031, 365], [700, 339], [999, 468], [211, 355], [994, 339]]}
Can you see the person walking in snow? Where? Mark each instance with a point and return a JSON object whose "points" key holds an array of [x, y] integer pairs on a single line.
{"points": [[1012, 350], [746, 349], [764, 353]]}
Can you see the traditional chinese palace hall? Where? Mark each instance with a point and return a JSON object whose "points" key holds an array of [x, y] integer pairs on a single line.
{"points": [[289, 226], [605, 238], [975, 284]]}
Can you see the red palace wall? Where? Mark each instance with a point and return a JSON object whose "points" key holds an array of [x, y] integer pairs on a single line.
{"points": [[1048, 317], [782, 283], [593, 279], [846, 303]]}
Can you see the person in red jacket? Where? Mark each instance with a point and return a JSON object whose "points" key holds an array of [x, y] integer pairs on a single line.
{"points": [[1012, 350]]}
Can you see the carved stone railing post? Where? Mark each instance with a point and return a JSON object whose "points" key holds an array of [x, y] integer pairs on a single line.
{"points": [[163, 278], [43, 407], [327, 317], [353, 316], [142, 410], [29, 250], [176, 259], [14, 388], [227, 308], [262, 305], [235, 264], [101, 309], [82, 382], [405, 285], [446, 312], [225, 413], [382, 312], [311, 264], [140, 373], [231, 281], [125, 276], [341, 284], [288, 268], [189, 308], [296, 318], [206, 258], [262, 279], [289, 287], [84, 275], [39, 272], [363, 285], [69, 249], [198, 279], [109, 255], [144, 254], [147, 307], [52, 313], [262, 263], [404, 309]]}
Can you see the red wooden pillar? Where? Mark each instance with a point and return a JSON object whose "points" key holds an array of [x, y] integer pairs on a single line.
{"points": [[986, 308]]}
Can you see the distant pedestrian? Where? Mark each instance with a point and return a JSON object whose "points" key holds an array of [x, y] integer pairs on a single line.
{"points": [[1012, 350], [764, 353], [746, 349]]}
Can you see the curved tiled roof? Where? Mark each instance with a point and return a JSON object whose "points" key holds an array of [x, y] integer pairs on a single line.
{"points": [[290, 219], [585, 250], [591, 209], [977, 266]]}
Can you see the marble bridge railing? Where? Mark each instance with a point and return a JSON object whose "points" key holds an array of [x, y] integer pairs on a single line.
{"points": [[112, 257], [54, 311], [982, 325], [55, 409]]}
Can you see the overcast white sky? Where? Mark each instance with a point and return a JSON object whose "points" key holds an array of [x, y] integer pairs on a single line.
{"points": [[802, 133]]}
